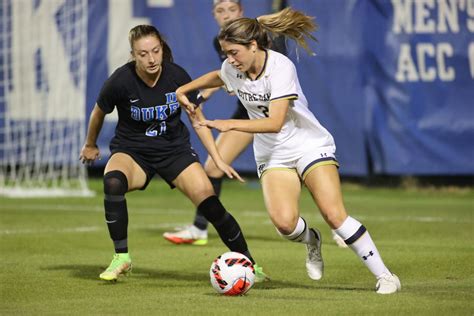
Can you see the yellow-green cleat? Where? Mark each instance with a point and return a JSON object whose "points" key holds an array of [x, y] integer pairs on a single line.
{"points": [[121, 264], [260, 276]]}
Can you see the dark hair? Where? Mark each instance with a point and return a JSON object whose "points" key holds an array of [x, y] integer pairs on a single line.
{"points": [[287, 22], [140, 31]]}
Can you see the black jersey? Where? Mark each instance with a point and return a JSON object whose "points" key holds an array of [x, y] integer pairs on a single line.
{"points": [[148, 118]]}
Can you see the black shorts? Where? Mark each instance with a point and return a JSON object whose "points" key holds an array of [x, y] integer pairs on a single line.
{"points": [[240, 112], [167, 167]]}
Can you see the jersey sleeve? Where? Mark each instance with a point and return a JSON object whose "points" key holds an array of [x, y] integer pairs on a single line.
{"points": [[283, 82], [226, 72], [109, 95]]}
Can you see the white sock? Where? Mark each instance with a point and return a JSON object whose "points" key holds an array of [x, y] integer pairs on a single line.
{"points": [[358, 239], [301, 233]]}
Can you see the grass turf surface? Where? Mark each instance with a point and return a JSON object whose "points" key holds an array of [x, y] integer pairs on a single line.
{"points": [[53, 250]]}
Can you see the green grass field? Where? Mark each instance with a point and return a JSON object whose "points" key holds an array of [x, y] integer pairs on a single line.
{"points": [[52, 251]]}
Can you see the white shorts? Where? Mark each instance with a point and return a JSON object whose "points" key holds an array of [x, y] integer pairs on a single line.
{"points": [[303, 165]]}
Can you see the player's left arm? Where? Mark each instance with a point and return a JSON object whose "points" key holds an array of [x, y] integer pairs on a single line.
{"points": [[272, 124], [207, 93], [209, 80], [283, 91], [207, 140]]}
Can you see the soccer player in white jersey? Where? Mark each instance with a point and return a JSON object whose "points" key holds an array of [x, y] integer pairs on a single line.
{"points": [[290, 145], [231, 144]]}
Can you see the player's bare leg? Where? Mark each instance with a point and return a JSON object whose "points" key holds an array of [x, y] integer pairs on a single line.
{"points": [[281, 190], [194, 183], [230, 145], [324, 185], [122, 174]]}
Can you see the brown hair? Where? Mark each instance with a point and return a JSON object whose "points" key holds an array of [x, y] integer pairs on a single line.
{"points": [[287, 22], [140, 31]]}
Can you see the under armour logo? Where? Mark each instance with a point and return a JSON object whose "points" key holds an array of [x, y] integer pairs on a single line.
{"points": [[240, 76], [367, 257], [261, 167]]}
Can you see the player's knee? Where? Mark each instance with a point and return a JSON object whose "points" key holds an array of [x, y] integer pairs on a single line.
{"points": [[211, 169], [334, 218], [285, 224], [212, 209], [203, 191], [285, 228], [115, 183]]}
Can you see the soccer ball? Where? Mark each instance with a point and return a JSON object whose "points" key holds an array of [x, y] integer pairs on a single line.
{"points": [[232, 273]]}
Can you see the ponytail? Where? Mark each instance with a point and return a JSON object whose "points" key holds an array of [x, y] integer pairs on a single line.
{"points": [[288, 22]]}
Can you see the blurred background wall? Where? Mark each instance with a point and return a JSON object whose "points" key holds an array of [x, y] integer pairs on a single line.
{"points": [[393, 80]]}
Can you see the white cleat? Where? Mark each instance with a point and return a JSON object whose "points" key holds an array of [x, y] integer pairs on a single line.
{"points": [[314, 261], [388, 284], [338, 239], [188, 235]]}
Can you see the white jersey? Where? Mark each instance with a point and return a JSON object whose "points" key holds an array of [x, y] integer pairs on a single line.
{"points": [[301, 131]]}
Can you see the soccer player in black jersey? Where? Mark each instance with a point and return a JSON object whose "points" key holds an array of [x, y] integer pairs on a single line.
{"points": [[150, 139]]}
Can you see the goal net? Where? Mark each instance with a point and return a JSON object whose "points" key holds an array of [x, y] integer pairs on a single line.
{"points": [[43, 46]]}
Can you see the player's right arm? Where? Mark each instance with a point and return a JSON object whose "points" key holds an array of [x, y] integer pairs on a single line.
{"points": [[209, 80], [207, 93], [90, 151]]}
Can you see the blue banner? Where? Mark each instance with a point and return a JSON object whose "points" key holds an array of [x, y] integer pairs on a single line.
{"points": [[419, 86], [393, 81]]}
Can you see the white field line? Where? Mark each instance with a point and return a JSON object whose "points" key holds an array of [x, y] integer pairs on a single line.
{"points": [[396, 218], [79, 229], [98, 208], [96, 228], [28, 231], [415, 219], [246, 214]]}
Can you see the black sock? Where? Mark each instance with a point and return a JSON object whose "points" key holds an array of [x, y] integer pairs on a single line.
{"points": [[200, 220], [225, 224], [116, 216]]}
